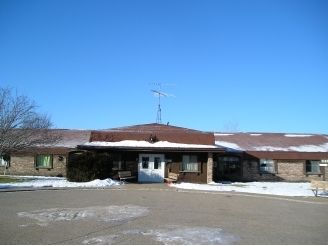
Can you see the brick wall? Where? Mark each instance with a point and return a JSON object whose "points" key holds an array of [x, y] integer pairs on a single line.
{"points": [[289, 171], [24, 165], [209, 167]]}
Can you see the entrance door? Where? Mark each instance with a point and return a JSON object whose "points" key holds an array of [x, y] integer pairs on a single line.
{"points": [[151, 168]]}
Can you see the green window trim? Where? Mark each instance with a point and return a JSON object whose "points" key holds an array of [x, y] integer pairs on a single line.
{"points": [[43, 161]]}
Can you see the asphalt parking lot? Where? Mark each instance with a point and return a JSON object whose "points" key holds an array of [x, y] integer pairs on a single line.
{"points": [[158, 214]]}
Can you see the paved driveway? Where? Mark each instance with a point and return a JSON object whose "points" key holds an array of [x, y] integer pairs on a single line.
{"points": [[157, 214]]}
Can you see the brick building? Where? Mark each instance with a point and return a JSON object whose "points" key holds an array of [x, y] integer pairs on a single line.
{"points": [[150, 151]]}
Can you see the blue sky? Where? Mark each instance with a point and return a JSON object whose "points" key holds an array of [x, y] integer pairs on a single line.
{"points": [[259, 65]]}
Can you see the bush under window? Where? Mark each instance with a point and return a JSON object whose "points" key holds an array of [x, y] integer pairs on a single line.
{"points": [[89, 166]]}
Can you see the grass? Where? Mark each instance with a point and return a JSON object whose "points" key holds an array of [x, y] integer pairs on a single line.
{"points": [[239, 185], [8, 179]]}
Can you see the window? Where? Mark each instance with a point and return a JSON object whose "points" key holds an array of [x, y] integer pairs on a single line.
{"points": [[267, 166], [4, 160], [312, 167], [229, 165], [43, 161], [145, 162], [117, 163], [157, 163], [190, 163]]}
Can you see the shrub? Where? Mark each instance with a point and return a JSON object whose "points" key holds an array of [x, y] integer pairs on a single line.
{"points": [[88, 166]]}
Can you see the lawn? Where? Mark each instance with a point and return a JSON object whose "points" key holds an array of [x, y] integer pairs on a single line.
{"points": [[9, 179]]}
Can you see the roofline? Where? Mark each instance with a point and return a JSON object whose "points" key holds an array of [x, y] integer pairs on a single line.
{"points": [[153, 149]]}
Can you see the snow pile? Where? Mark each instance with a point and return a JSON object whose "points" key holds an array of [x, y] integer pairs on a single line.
{"points": [[39, 181], [269, 188]]}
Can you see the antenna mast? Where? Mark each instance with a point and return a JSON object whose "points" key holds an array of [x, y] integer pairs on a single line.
{"points": [[159, 93]]}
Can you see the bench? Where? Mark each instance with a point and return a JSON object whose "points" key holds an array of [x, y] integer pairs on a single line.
{"points": [[173, 177], [318, 185], [125, 175]]}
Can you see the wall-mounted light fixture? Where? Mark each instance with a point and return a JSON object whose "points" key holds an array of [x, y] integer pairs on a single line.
{"points": [[60, 158], [152, 138]]}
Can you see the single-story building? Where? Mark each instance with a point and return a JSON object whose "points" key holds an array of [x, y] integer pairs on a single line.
{"points": [[151, 151], [271, 157], [45, 160]]}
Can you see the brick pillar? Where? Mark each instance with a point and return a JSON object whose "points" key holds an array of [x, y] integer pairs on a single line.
{"points": [[209, 167]]}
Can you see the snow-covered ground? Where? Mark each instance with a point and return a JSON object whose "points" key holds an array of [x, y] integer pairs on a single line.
{"points": [[269, 188]]}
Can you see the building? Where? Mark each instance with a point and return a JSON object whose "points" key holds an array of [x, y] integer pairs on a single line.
{"points": [[45, 161], [272, 157], [150, 151]]}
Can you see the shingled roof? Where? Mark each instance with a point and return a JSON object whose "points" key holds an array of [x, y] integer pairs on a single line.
{"points": [[273, 142], [152, 137], [162, 132], [72, 138]]}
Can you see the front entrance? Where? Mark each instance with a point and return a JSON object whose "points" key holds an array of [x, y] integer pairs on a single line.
{"points": [[151, 168], [228, 168]]}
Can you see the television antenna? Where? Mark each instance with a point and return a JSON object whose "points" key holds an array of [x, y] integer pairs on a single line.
{"points": [[159, 93]]}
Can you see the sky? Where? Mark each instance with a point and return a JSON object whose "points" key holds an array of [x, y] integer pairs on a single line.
{"points": [[231, 65]]}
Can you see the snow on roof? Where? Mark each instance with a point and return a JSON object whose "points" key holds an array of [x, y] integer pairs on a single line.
{"points": [[72, 138], [273, 142], [229, 145], [135, 143]]}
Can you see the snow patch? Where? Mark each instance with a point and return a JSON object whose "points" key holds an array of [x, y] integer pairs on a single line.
{"points": [[40, 181], [272, 188], [301, 148], [135, 143], [269, 188], [178, 235], [102, 240], [228, 145], [107, 214], [297, 135], [175, 235], [269, 148]]}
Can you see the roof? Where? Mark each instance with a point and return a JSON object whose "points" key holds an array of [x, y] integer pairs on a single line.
{"points": [[154, 127], [272, 142], [138, 137], [72, 138], [173, 138], [162, 132]]}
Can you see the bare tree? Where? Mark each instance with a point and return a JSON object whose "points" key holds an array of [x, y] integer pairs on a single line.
{"points": [[231, 126], [21, 126]]}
